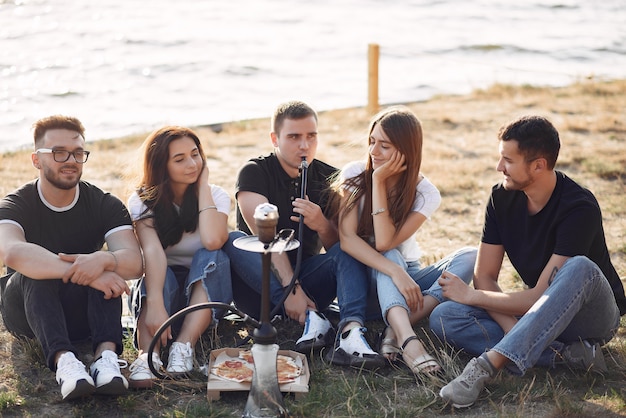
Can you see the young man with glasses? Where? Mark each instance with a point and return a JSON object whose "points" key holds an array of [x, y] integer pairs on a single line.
{"points": [[61, 286]]}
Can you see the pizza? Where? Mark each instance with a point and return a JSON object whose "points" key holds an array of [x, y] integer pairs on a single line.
{"points": [[235, 370], [241, 369]]}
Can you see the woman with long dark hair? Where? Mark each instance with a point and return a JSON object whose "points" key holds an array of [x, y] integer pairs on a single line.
{"points": [[181, 222]]}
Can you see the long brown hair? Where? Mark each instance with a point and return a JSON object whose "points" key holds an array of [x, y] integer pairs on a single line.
{"points": [[155, 190], [404, 130]]}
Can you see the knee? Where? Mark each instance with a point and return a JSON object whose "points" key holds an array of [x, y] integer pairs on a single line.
{"points": [[579, 268], [395, 256]]}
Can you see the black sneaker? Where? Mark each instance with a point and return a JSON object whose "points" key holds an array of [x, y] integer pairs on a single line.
{"points": [[318, 333], [353, 350]]}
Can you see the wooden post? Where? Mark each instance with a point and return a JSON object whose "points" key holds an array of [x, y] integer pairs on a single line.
{"points": [[372, 84]]}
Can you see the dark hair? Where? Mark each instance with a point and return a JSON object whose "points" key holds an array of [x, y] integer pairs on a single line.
{"points": [[155, 191], [290, 110], [55, 122], [404, 130], [536, 138]]}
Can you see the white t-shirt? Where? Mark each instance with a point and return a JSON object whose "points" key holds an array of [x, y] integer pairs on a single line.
{"points": [[427, 200], [182, 252]]}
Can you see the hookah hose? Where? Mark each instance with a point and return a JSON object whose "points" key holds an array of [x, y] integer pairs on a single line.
{"points": [[304, 166], [207, 305]]}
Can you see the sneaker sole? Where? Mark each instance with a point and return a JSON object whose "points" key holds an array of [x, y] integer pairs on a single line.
{"points": [[83, 388], [341, 358], [114, 387], [140, 384], [456, 405], [309, 346]]}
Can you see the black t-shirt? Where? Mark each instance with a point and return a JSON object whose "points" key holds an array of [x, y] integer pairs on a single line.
{"points": [[264, 175], [80, 228], [569, 225]]}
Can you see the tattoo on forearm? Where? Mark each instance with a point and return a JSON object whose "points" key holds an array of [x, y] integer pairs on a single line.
{"points": [[552, 275]]}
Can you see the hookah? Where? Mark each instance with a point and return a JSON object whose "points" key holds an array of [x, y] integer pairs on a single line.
{"points": [[265, 399]]}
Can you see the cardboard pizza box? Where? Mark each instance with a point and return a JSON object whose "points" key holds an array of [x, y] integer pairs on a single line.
{"points": [[216, 385]]}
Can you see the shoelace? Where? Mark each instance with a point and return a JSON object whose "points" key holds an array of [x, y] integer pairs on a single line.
{"points": [[475, 373], [114, 364], [143, 366], [72, 369], [178, 356]]}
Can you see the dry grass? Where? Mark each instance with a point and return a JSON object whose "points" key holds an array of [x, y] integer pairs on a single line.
{"points": [[459, 157]]}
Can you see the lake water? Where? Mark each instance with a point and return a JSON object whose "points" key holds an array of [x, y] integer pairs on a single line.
{"points": [[128, 66]]}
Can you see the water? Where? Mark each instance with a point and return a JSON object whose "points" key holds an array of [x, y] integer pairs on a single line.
{"points": [[128, 66]]}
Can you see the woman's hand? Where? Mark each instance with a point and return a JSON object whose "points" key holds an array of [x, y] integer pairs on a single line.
{"points": [[155, 317], [395, 165], [410, 290]]}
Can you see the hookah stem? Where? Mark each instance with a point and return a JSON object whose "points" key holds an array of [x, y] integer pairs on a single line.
{"points": [[296, 271]]}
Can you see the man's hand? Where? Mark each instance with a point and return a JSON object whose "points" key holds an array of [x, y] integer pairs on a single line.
{"points": [[297, 305], [454, 288], [85, 268], [313, 216], [110, 284]]}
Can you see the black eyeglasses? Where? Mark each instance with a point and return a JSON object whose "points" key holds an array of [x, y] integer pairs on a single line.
{"points": [[61, 156]]}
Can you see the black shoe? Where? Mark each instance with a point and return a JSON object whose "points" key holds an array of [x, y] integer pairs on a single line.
{"points": [[360, 355]]}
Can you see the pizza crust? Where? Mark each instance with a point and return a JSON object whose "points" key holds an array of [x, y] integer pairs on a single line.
{"points": [[241, 369]]}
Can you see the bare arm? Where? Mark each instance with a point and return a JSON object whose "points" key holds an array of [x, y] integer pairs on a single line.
{"points": [[213, 224], [122, 258], [156, 266], [354, 245], [503, 307], [387, 235], [18, 254]]}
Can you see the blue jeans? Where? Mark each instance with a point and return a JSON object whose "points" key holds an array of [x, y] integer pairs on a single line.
{"points": [[322, 277], [210, 267], [578, 304], [460, 263]]}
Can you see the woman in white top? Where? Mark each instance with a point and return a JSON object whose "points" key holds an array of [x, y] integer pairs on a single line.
{"points": [[384, 201], [181, 222]]}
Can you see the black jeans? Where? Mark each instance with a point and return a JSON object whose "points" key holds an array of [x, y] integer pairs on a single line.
{"points": [[57, 314]]}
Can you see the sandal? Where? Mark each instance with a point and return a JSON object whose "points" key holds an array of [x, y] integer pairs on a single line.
{"points": [[425, 363], [388, 346]]}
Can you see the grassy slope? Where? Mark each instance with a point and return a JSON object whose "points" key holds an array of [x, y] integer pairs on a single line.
{"points": [[459, 157]]}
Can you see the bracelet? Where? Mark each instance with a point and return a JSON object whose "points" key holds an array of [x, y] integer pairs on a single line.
{"points": [[114, 258], [378, 211], [207, 208]]}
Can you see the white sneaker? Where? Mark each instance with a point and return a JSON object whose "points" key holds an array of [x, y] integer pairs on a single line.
{"points": [[353, 350], [74, 380], [107, 376], [141, 377], [181, 358], [318, 333]]}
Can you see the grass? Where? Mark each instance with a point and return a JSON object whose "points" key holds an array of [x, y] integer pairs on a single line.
{"points": [[460, 153]]}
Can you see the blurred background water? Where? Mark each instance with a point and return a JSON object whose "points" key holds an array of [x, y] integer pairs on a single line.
{"points": [[128, 66]]}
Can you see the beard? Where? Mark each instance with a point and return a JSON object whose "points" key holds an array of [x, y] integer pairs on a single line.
{"points": [[59, 183], [510, 184]]}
